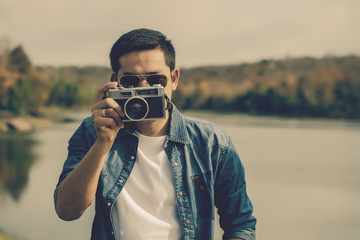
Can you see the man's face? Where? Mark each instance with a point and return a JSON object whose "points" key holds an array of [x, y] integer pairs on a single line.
{"points": [[144, 62]]}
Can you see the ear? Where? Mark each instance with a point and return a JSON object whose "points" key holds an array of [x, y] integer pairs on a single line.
{"points": [[175, 75]]}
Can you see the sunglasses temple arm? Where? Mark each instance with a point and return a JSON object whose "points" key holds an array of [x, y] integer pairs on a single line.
{"points": [[114, 78]]}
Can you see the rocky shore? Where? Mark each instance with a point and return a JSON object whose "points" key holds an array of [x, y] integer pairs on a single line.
{"points": [[27, 123], [24, 124]]}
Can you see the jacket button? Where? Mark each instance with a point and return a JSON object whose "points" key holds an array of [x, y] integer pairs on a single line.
{"points": [[180, 193], [187, 222], [132, 157], [109, 204], [175, 164]]}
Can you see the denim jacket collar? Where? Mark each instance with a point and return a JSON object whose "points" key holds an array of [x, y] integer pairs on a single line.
{"points": [[177, 130]]}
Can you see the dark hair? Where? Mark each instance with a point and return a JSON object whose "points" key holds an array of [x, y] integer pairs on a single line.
{"points": [[142, 39]]}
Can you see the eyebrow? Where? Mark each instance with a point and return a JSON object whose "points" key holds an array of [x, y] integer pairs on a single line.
{"points": [[131, 73]]}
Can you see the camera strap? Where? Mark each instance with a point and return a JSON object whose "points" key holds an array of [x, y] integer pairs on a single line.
{"points": [[168, 103]]}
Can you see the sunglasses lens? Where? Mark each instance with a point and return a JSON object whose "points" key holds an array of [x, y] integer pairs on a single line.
{"points": [[157, 79], [129, 81]]}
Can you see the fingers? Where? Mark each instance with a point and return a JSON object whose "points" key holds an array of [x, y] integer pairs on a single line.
{"points": [[109, 103], [105, 88], [104, 123], [111, 113], [107, 115], [104, 102], [108, 108]]}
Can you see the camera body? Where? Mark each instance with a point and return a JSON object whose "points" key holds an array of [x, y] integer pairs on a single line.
{"points": [[140, 103]]}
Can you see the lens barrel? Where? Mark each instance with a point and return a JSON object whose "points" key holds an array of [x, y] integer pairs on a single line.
{"points": [[136, 108]]}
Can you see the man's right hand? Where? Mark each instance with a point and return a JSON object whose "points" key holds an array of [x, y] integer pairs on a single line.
{"points": [[106, 114], [78, 189]]}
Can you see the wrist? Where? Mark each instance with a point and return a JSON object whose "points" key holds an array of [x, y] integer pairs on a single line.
{"points": [[103, 145]]}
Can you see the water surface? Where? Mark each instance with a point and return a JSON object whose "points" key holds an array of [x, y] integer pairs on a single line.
{"points": [[302, 175]]}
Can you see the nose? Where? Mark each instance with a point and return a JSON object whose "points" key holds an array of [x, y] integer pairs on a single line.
{"points": [[143, 82]]}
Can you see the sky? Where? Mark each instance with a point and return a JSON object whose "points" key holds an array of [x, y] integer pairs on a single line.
{"points": [[204, 32]]}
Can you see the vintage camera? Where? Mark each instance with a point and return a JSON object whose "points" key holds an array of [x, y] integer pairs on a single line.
{"points": [[140, 103]]}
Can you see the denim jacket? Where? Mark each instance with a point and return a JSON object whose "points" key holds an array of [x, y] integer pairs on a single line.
{"points": [[206, 169]]}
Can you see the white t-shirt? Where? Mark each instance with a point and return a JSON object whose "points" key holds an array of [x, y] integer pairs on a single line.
{"points": [[146, 206]]}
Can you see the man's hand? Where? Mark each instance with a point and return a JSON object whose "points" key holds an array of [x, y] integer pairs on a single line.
{"points": [[107, 115]]}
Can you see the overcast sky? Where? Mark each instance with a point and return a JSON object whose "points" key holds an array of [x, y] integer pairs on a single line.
{"points": [[81, 32]]}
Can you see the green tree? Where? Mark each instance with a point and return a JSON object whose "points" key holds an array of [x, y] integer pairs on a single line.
{"points": [[15, 102], [64, 94]]}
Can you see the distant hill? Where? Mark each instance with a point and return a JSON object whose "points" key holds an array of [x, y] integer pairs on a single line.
{"points": [[93, 75], [325, 87]]}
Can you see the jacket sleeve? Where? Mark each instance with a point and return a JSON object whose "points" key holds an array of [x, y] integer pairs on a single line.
{"points": [[234, 206], [78, 145]]}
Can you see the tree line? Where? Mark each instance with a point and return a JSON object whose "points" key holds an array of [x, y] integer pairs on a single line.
{"points": [[25, 89], [325, 87], [315, 87]]}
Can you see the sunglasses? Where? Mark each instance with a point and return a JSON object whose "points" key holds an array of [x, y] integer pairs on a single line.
{"points": [[129, 81]]}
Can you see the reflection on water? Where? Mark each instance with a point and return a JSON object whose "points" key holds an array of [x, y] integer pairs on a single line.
{"points": [[16, 160]]}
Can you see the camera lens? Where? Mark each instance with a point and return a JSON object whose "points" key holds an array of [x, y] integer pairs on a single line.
{"points": [[136, 108]]}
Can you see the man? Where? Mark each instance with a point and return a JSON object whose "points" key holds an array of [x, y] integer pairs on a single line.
{"points": [[157, 179]]}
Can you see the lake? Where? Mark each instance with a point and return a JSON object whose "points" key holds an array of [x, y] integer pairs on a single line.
{"points": [[303, 178]]}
